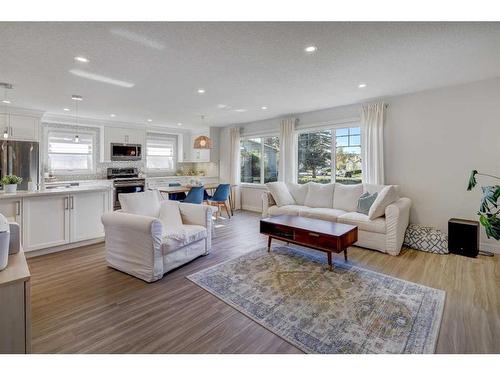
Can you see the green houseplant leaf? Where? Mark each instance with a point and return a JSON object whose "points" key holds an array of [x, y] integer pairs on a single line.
{"points": [[472, 180], [491, 224], [490, 197]]}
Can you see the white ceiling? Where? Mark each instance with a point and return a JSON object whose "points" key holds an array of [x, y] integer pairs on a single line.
{"points": [[242, 65]]}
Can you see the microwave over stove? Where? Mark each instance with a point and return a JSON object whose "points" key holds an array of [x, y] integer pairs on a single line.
{"points": [[125, 152]]}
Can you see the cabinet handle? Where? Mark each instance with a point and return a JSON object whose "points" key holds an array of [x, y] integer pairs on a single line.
{"points": [[313, 234], [18, 208], [66, 203], [72, 198]]}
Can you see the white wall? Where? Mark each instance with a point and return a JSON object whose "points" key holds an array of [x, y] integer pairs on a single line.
{"points": [[432, 141]]}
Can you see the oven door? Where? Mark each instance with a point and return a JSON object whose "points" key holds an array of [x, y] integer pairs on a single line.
{"points": [[123, 187], [121, 151]]}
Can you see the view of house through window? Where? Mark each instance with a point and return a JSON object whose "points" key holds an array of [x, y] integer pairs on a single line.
{"points": [[259, 159], [320, 152], [70, 152]]}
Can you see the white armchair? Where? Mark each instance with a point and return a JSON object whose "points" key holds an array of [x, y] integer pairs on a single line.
{"points": [[149, 246]]}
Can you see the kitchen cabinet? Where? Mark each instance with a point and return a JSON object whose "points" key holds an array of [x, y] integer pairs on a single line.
{"points": [[20, 127], [60, 219], [45, 221], [191, 154], [121, 135], [11, 209], [86, 209]]}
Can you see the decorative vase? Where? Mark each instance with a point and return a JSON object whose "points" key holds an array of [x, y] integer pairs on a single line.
{"points": [[10, 188]]}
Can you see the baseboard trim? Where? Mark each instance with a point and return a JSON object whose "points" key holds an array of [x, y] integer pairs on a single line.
{"points": [[50, 250], [251, 208]]}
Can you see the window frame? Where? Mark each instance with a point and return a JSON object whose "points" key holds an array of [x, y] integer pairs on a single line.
{"points": [[262, 169], [333, 128], [175, 139], [72, 131]]}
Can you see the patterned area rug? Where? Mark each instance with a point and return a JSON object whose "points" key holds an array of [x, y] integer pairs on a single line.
{"points": [[350, 310]]}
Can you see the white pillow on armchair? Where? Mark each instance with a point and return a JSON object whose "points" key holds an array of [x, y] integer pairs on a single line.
{"points": [[146, 203]]}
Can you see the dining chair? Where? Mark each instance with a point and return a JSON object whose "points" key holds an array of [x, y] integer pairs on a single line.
{"points": [[220, 198], [195, 195], [176, 196]]}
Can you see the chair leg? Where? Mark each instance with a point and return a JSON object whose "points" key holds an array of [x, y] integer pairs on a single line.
{"points": [[227, 210]]}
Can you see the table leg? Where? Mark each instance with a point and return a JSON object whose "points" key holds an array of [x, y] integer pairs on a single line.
{"points": [[269, 244], [330, 264], [231, 200], [345, 254]]}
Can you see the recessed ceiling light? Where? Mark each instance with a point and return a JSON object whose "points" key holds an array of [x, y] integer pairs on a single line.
{"points": [[201, 91], [240, 110], [221, 106], [112, 115], [263, 107], [77, 97], [6, 101], [310, 49], [150, 120], [81, 59], [66, 109], [104, 79], [362, 85], [179, 123]]}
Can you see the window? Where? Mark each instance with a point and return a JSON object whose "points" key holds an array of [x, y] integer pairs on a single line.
{"points": [[259, 160], [70, 152], [161, 150], [320, 152]]}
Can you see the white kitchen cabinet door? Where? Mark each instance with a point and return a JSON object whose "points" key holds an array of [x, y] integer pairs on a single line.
{"points": [[23, 127], [4, 122], [11, 209], [45, 221], [86, 209]]}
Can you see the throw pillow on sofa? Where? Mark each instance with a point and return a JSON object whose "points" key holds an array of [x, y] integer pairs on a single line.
{"points": [[146, 203], [298, 191], [319, 195], [280, 193], [346, 196], [387, 196], [365, 202], [170, 215]]}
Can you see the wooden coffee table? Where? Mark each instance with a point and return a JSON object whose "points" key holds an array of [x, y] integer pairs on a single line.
{"points": [[313, 233]]}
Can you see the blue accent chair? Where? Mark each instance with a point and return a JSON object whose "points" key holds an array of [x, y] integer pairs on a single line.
{"points": [[195, 195], [176, 196], [221, 197]]}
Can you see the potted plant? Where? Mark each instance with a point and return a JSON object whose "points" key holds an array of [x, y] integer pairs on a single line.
{"points": [[489, 209], [10, 183]]}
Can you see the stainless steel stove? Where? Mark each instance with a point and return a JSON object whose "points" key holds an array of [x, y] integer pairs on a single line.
{"points": [[125, 181]]}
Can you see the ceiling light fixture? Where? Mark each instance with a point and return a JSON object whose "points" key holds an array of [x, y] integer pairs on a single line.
{"points": [[6, 101], [138, 38], [112, 115], [263, 107], [150, 120], [99, 78], [66, 109], [201, 91], [202, 142], [362, 85], [240, 110], [78, 98], [81, 59], [310, 49], [179, 123], [221, 106]]}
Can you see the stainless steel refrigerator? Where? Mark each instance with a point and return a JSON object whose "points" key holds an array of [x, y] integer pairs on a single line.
{"points": [[21, 159]]}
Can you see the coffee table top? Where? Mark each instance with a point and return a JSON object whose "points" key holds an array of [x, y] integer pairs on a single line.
{"points": [[313, 225]]}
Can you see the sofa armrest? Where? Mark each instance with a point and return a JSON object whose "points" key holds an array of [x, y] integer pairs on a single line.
{"points": [[133, 244], [15, 238], [267, 201], [397, 216]]}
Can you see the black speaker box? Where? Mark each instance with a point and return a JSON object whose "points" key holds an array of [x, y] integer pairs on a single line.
{"points": [[463, 237]]}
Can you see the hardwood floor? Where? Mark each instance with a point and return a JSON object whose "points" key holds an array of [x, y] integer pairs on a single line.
{"points": [[79, 305]]}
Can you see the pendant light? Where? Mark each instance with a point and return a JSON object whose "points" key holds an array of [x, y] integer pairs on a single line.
{"points": [[202, 142], [76, 98]]}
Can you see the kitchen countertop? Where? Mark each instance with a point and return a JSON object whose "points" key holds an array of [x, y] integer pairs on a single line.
{"points": [[76, 189]]}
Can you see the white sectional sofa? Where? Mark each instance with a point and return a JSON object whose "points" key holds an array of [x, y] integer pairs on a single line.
{"points": [[384, 231]]}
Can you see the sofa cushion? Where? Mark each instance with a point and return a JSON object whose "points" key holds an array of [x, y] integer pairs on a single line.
{"points": [[363, 222], [329, 214], [146, 203], [346, 196], [291, 209], [365, 202], [298, 191], [170, 215], [386, 196], [280, 193], [175, 239], [319, 195]]}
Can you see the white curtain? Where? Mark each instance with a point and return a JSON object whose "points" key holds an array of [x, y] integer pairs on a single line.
{"points": [[372, 140], [234, 164], [287, 165]]}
